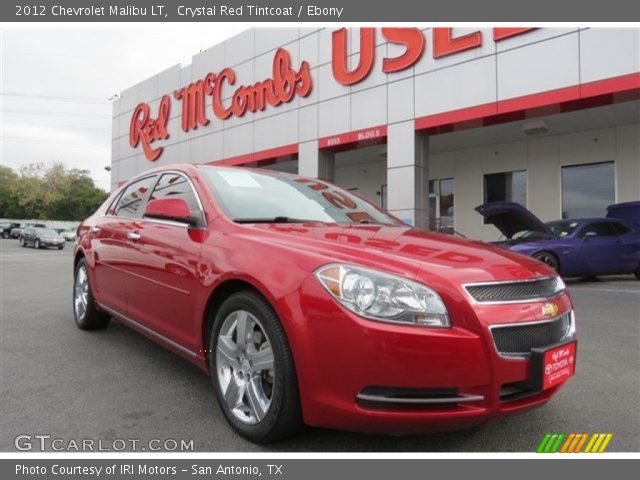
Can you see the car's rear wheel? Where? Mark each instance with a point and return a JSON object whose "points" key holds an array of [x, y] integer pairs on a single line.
{"points": [[36, 244], [252, 369], [85, 312], [549, 259], [637, 272], [60, 247], [5, 235], [22, 242]]}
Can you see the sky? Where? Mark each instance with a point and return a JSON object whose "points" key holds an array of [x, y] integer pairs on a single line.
{"points": [[56, 82]]}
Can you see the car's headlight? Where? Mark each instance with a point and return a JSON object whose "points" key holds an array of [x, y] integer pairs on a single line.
{"points": [[559, 286], [381, 296]]}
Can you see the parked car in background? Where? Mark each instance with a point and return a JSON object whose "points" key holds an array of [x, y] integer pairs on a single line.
{"points": [[580, 247], [17, 232], [69, 235], [309, 305], [7, 227], [41, 237]]}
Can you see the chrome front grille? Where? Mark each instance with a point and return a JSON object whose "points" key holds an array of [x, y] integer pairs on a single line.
{"points": [[519, 291], [517, 340]]}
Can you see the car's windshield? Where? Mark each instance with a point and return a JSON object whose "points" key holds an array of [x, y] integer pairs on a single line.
{"points": [[251, 196], [47, 232], [562, 228]]}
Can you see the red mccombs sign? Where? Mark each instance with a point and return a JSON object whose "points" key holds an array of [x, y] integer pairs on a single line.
{"points": [[287, 82]]}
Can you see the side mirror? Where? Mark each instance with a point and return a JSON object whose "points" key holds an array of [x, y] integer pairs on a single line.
{"points": [[173, 209]]}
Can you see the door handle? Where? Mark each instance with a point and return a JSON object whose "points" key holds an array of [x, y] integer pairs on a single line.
{"points": [[135, 236], [95, 229]]}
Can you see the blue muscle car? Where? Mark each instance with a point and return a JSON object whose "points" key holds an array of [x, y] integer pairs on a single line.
{"points": [[580, 247]]}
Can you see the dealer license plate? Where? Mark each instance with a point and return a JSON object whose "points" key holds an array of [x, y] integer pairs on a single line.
{"points": [[555, 365]]}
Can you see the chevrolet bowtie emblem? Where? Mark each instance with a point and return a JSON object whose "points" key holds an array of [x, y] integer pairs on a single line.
{"points": [[550, 309]]}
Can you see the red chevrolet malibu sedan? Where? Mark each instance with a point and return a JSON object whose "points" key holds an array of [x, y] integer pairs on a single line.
{"points": [[308, 305]]}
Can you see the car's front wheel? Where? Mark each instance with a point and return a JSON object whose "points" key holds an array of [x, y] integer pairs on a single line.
{"points": [[22, 242], [85, 312], [549, 259], [252, 369], [5, 235], [36, 244]]}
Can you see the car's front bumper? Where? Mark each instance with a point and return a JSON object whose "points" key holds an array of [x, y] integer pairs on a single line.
{"points": [[52, 243], [343, 361]]}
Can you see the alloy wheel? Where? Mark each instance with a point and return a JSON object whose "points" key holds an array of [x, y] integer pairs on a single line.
{"points": [[245, 367], [81, 292]]}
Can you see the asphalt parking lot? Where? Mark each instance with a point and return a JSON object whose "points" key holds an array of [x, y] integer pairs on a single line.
{"points": [[70, 384]]}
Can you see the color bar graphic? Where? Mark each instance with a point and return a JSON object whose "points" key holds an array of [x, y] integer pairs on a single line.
{"points": [[574, 442]]}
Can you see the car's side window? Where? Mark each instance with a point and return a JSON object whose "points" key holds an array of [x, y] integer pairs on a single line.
{"points": [[112, 206], [175, 185], [620, 228], [599, 229], [134, 198]]}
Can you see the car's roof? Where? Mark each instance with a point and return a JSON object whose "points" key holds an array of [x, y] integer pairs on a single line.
{"points": [[587, 220]]}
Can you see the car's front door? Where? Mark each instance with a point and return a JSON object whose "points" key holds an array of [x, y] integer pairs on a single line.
{"points": [[162, 262], [109, 243], [28, 236], [601, 248], [630, 239]]}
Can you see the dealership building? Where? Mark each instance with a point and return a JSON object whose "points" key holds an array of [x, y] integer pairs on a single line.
{"points": [[428, 123]]}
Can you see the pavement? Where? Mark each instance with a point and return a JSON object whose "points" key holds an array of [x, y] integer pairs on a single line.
{"points": [[115, 384]]}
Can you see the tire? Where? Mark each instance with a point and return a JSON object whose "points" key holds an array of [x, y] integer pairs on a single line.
{"points": [[548, 259], [85, 313], [282, 416], [61, 247], [36, 244], [5, 235], [637, 272], [22, 242]]}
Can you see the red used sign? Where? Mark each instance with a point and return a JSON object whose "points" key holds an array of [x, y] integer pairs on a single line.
{"points": [[559, 364]]}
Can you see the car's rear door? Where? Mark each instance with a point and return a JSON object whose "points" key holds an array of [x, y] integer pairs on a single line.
{"points": [[601, 248], [109, 243], [163, 268]]}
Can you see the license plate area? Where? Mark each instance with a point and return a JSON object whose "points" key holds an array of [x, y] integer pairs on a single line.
{"points": [[552, 365]]}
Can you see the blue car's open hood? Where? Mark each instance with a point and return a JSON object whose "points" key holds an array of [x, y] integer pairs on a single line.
{"points": [[628, 211], [511, 218]]}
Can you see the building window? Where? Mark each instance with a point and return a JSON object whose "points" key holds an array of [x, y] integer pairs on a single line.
{"points": [[587, 190], [506, 187], [441, 205]]}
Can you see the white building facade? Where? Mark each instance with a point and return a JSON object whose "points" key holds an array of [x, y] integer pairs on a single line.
{"points": [[428, 123]]}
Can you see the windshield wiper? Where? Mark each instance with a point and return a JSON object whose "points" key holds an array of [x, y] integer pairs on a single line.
{"points": [[280, 219]]}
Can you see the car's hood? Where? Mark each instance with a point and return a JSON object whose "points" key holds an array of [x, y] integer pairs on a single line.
{"points": [[629, 211], [402, 249], [511, 218]]}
